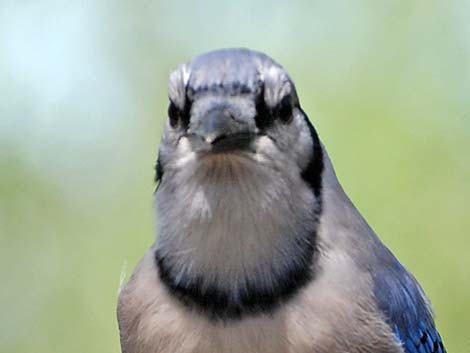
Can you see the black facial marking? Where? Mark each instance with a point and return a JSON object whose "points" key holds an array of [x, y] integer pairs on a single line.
{"points": [[264, 117], [176, 115], [284, 109], [158, 170], [186, 113], [235, 88], [313, 172], [173, 114]]}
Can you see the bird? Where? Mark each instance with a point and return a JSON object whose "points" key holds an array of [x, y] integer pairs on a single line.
{"points": [[259, 249]]}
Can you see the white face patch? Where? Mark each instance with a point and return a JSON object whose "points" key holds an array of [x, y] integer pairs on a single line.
{"points": [[277, 85], [178, 81]]}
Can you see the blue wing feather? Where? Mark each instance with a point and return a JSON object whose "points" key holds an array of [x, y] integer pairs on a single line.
{"points": [[405, 308], [425, 340]]}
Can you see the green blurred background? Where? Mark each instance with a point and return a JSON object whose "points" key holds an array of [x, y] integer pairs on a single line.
{"points": [[83, 99]]}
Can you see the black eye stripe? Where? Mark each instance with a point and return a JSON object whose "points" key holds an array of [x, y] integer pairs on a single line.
{"points": [[284, 109], [263, 117], [185, 117], [266, 116], [177, 115], [173, 114]]}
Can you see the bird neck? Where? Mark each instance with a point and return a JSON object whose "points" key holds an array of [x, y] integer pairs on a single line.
{"points": [[235, 237]]}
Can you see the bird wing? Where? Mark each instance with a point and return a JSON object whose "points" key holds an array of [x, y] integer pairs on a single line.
{"points": [[406, 309]]}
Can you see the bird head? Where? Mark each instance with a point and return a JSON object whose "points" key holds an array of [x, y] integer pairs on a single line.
{"points": [[232, 107]]}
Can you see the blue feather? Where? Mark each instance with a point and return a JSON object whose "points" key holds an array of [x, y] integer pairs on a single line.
{"points": [[402, 301]]}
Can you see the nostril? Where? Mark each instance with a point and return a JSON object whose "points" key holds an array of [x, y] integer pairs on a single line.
{"points": [[218, 139], [227, 114]]}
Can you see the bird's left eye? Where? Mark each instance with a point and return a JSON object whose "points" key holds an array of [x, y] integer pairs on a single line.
{"points": [[263, 115], [283, 111]]}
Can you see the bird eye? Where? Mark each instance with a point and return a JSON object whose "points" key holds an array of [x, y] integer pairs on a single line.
{"points": [[263, 115], [174, 114], [177, 115], [284, 110], [266, 116]]}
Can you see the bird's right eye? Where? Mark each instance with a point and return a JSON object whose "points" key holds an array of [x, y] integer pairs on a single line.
{"points": [[174, 114]]}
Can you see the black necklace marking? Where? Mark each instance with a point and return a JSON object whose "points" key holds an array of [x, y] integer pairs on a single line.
{"points": [[251, 299], [158, 170], [313, 173]]}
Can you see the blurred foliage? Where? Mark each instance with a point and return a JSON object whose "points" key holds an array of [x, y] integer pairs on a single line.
{"points": [[387, 84]]}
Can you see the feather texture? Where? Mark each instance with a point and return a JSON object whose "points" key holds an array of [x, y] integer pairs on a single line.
{"points": [[406, 309], [260, 250]]}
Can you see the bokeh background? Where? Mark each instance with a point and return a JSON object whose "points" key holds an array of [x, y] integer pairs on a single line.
{"points": [[84, 96]]}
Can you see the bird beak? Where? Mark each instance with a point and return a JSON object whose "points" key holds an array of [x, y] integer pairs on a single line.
{"points": [[219, 128]]}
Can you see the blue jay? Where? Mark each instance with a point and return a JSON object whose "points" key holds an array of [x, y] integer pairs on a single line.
{"points": [[259, 248]]}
